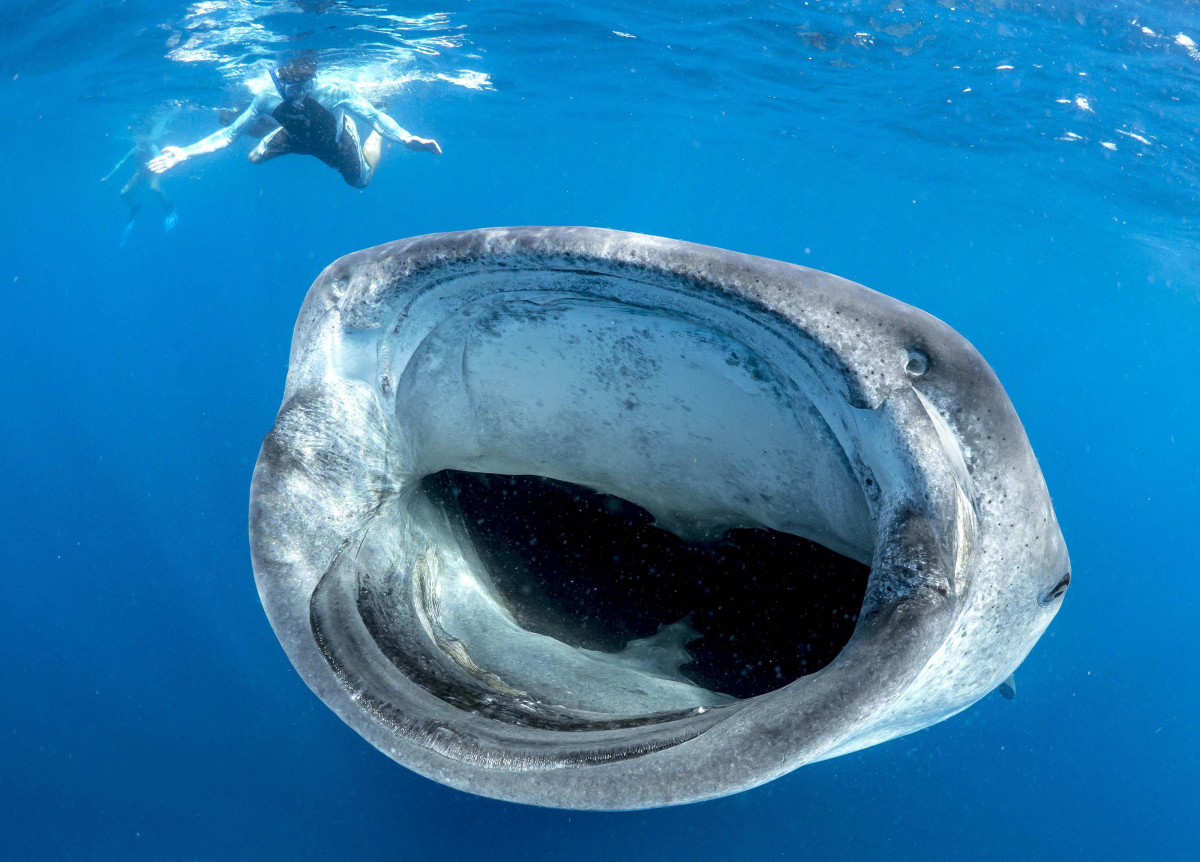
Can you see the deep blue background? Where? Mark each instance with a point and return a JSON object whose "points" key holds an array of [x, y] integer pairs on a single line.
{"points": [[148, 711]]}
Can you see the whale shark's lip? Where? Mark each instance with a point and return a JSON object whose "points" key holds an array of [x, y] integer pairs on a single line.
{"points": [[712, 389]]}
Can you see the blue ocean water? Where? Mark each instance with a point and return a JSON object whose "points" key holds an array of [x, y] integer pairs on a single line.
{"points": [[1028, 172]]}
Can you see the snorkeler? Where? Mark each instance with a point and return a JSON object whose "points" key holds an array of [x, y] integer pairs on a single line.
{"points": [[314, 119], [142, 183]]}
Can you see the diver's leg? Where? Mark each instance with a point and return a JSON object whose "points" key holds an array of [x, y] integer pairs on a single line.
{"points": [[355, 162], [170, 217], [129, 194], [275, 144], [373, 149]]}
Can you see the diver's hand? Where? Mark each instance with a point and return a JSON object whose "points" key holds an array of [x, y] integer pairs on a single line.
{"points": [[424, 145], [171, 156]]}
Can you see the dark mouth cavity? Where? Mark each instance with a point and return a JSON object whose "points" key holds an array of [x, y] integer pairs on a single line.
{"points": [[591, 570]]}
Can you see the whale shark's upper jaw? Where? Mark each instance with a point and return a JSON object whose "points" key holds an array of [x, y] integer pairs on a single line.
{"points": [[584, 518]]}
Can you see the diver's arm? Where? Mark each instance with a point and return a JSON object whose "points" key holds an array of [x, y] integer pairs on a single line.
{"points": [[171, 156], [388, 127], [118, 165]]}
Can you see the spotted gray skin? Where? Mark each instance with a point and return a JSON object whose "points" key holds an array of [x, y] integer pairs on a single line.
{"points": [[712, 388]]}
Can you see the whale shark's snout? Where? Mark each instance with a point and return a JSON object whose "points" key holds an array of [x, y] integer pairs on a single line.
{"points": [[591, 519]]}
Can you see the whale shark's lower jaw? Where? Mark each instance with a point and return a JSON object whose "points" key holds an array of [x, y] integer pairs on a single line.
{"points": [[590, 519]]}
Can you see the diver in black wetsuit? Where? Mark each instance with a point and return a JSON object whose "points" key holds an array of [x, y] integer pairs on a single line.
{"points": [[315, 119]]}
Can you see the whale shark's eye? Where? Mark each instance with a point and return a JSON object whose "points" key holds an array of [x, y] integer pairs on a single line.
{"points": [[1055, 592], [917, 364]]}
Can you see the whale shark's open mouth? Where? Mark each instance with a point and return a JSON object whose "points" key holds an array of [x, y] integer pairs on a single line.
{"points": [[576, 500], [608, 498], [739, 616]]}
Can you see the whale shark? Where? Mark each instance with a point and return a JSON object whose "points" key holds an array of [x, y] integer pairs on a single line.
{"points": [[589, 519]]}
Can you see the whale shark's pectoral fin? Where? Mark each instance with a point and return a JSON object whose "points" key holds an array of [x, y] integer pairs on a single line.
{"points": [[1008, 688]]}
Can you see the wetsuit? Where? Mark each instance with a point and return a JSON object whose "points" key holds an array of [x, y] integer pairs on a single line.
{"points": [[310, 129], [321, 125]]}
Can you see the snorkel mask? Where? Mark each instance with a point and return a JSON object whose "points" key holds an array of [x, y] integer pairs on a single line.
{"points": [[291, 91]]}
